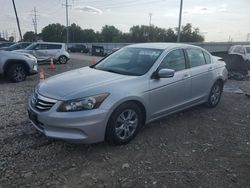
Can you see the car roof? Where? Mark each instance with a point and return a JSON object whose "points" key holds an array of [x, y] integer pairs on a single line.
{"points": [[162, 46], [49, 43]]}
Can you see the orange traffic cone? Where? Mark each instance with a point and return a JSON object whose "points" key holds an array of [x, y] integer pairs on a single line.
{"points": [[51, 65], [41, 74], [93, 60]]}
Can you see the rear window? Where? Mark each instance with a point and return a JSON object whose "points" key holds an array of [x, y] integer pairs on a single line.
{"points": [[207, 58], [53, 46]]}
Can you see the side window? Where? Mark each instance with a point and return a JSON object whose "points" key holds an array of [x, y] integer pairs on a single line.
{"points": [[207, 57], [174, 60], [248, 50], [43, 47], [237, 49], [242, 50], [54, 46], [196, 57]]}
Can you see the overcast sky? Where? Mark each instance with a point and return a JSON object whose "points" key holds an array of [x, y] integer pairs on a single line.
{"points": [[217, 19]]}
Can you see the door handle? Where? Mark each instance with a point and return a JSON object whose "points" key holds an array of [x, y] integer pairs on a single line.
{"points": [[210, 68], [186, 76]]}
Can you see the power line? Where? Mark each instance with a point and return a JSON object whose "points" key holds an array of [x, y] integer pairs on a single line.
{"points": [[123, 4]]}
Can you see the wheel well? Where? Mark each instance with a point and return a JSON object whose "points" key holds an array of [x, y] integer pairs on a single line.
{"points": [[141, 106], [62, 56], [14, 61], [220, 81]]}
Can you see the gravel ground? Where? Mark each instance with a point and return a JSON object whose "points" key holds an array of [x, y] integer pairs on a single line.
{"points": [[198, 147]]}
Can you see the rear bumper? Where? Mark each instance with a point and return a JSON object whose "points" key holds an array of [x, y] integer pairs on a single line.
{"points": [[80, 127]]}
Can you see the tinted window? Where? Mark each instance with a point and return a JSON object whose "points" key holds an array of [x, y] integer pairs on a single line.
{"points": [[54, 46], [40, 47], [207, 57], [237, 49], [174, 60], [196, 57], [242, 50], [248, 49], [24, 45]]}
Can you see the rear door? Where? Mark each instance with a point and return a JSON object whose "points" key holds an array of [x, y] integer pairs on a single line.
{"points": [[54, 50], [171, 94], [202, 72]]}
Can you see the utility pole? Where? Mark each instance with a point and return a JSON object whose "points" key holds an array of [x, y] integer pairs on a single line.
{"points": [[248, 37], [179, 27], [6, 34], [67, 19], [17, 20], [150, 19], [34, 20]]}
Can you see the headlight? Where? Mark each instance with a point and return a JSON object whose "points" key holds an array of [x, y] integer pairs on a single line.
{"points": [[87, 103]]}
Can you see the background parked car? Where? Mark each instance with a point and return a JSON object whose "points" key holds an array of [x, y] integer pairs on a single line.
{"points": [[44, 51], [243, 50], [5, 44], [17, 66], [97, 50], [78, 48], [17, 46]]}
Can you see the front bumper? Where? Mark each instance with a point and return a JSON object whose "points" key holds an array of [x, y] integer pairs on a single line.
{"points": [[81, 127], [34, 69]]}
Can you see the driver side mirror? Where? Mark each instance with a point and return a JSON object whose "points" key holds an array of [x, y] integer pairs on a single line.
{"points": [[163, 73]]}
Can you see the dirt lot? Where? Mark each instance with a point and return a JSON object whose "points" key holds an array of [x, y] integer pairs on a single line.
{"points": [[199, 147]]}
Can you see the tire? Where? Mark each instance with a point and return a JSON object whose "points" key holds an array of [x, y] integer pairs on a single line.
{"points": [[215, 95], [16, 73], [62, 59], [120, 130]]}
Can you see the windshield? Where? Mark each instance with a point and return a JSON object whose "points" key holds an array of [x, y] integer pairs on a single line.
{"points": [[130, 61], [248, 49], [30, 47], [14, 46]]}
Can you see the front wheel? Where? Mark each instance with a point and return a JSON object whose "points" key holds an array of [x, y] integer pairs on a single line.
{"points": [[62, 59], [215, 95], [16, 73], [124, 124]]}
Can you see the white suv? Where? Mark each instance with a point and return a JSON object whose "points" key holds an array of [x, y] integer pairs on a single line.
{"points": [[44, 51], [243, 50]]}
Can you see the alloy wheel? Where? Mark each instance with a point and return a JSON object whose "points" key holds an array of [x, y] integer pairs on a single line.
{"points": [[126, 124], [215, 94]]}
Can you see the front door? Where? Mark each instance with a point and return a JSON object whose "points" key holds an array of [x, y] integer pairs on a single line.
{"points": [[170, 94]]}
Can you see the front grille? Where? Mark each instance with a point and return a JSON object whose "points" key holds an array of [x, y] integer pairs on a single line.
{"points": [[42, 103]]}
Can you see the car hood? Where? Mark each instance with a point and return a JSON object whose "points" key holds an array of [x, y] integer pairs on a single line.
{"points": [[13, 54], [5, 48], [77, 83], [23, 51]]}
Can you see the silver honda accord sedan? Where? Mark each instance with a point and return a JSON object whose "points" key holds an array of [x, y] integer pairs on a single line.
{"points": [[135, 85]]}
